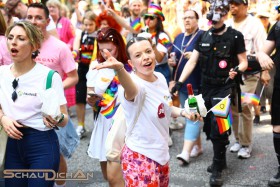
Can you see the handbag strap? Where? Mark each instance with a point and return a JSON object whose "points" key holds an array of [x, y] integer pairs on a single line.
{"points": [[182, 55], [49, 79], [137, 116]]}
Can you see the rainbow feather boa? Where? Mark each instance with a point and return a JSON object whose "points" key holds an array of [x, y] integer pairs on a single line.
{"points": [[108, 100]]}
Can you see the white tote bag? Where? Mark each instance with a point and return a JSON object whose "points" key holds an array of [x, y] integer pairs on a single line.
{"points": [[116, 137]]}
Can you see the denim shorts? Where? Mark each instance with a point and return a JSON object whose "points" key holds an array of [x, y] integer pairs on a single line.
{"points": [[37, 150], [68, 139]]}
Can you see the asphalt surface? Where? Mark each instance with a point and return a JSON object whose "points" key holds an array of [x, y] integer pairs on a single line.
{"points": [[252, 172]]}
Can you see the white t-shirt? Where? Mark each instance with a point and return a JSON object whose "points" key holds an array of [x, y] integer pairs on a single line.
{"points": [[162, 48], [27, 107], [150, 133], [253, 32], [99, 79], [51, 25]]}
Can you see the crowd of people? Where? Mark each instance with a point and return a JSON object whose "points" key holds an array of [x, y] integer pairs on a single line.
{"points": [[133, 54]]}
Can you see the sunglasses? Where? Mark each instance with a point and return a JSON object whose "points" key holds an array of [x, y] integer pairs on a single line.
{"points": [[14, 94], [149, 17]]}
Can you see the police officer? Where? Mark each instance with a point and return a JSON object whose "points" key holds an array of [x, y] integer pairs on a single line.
{"points": [[218, 51], [273, 42]]}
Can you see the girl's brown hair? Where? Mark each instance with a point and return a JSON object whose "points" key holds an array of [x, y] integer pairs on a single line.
{"points": [[111, 35]]}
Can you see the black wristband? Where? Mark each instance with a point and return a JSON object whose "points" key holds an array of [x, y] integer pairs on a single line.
{"points": [[177, 87]]}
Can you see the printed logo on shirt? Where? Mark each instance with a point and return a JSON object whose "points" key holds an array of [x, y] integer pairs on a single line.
{"points": [[161, 112], [44, 60], [21, 93]]}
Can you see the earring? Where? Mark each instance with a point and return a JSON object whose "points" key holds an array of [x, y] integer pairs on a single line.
{"points": [[35, 54]]}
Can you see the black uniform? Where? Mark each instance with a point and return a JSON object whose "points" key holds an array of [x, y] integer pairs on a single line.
{"points": [[217, 55], [274, 35]]}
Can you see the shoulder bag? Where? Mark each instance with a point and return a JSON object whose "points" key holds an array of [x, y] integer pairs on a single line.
{"points": [[116, 137]]}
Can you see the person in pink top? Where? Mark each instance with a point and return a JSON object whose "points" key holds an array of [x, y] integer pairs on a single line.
{"points": [[66, 33], [56, 55], [5, 57], [64, 27]]}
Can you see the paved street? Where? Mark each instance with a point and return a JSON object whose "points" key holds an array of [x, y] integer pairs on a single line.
{"points": [[253, 172]]}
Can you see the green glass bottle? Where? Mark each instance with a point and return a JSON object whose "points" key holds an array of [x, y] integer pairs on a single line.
{"points": [[192, 100]]}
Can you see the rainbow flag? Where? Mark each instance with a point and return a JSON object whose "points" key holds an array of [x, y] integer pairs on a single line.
{"points": [[110, 110], [165, 42], [222, 108], [86, 55], [224, 123], [250, 98], [136, 24]]}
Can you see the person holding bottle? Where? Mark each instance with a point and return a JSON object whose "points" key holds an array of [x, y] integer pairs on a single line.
{"points": [[184, 44], [192, 131], [145, 151], [218, 51]]}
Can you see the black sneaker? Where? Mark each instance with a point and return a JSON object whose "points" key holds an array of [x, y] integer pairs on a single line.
{"points": [[275, 181], [216, 179], [209, 168], [256, 119], [263, 109]]}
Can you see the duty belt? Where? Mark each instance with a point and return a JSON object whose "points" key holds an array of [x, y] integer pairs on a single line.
{"points": [[213, 81]]}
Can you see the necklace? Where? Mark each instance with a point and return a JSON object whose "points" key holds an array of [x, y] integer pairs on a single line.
{"points": [[183, 41]]}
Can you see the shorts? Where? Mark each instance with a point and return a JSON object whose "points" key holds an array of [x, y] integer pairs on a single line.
{"points": [[139, 170], [68, 139], [275, 107], [81, 86]]}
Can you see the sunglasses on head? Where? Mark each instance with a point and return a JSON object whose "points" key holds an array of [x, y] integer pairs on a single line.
{"points": [[149, 17]]}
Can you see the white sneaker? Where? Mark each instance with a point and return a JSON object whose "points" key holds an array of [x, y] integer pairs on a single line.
{"points": [[196, 151], [244, 152], [236, 146], [80, 131], [175, 124], [184, 158]]}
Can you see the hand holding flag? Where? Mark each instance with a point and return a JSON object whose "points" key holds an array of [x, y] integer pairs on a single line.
{"points": [[136, 24], [165, 42]]}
